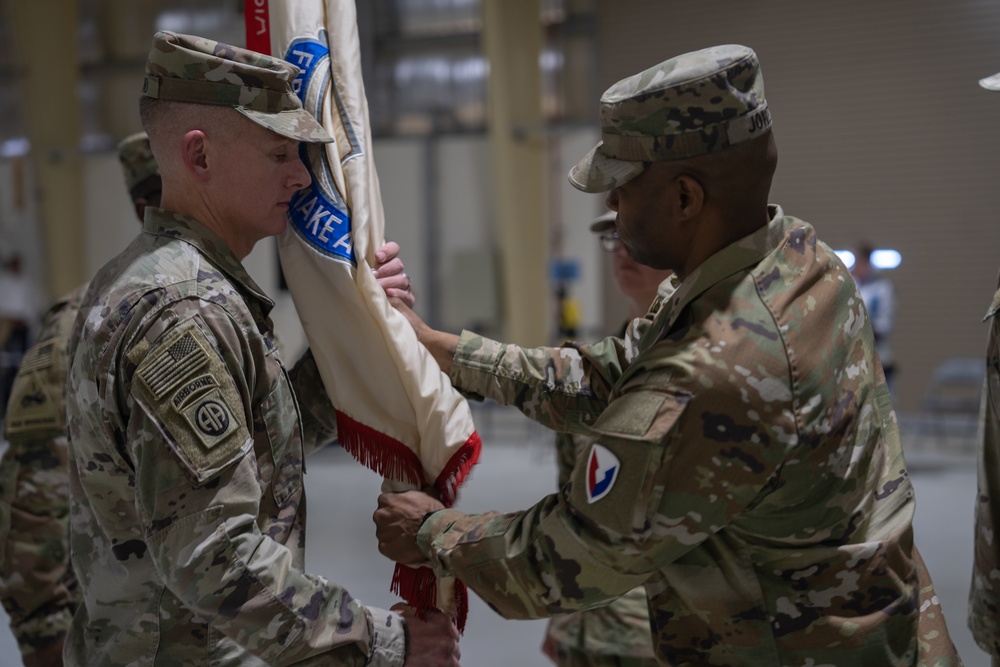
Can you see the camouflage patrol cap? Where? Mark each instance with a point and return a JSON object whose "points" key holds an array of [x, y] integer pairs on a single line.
{"points": [[136, 159], [696, 103], [604, 223], [184, 68]]}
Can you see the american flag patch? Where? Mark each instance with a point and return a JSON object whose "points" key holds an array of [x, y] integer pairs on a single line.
{"points": [[173, 365], [37, 357]]}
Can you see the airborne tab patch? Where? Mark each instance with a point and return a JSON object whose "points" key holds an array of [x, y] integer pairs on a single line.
{"points": [[188, 389]]}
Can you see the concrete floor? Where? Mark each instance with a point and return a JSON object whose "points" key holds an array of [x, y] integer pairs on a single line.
{"points": [[517, 467]]}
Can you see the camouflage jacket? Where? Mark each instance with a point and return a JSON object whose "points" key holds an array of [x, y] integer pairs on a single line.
{"points": [[617, 629], [37, 586], [186, 472], [745, 466], [984, 597]]}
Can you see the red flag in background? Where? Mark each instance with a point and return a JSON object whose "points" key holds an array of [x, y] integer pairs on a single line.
{"points": [[397, 413]]}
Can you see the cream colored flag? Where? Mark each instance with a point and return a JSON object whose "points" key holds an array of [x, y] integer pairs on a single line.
{"points": [[397, 413]]}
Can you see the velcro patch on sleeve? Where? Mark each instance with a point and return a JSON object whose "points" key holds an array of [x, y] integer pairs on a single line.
{"points": [[187, 388], [613, 484], [36, 403]]}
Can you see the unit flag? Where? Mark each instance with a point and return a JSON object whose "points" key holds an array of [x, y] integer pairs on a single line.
{"points": [[397, 413]]}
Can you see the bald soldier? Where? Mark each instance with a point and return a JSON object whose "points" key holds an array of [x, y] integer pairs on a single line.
{"points": [[37, 586], [744, 462], [187, 432]]}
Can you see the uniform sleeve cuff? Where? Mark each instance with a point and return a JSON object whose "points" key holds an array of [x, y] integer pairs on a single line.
{"points": [[474, 361], [431, 528], [388, 647], [42, 631]]}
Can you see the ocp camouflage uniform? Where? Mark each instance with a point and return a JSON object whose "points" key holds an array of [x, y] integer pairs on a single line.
{"points": [[756, 483], [984, 599], [37, 585], [188, 445], [614, 635]]}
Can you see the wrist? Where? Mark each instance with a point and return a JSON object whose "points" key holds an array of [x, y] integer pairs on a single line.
{"points": [[427, 516], [442, 346], [389, 640]]}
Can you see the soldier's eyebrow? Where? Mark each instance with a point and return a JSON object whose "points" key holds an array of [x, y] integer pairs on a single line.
{"points": [[282, 142]]}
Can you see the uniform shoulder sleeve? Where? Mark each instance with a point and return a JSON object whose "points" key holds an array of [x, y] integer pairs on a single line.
{"points": [[184, 384], [37, 405], [37, 586]]}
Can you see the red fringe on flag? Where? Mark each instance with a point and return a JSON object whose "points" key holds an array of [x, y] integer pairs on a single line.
{"points": [[418, 586], [392, 459], [376, 451], [461, 605], [457, 469]]}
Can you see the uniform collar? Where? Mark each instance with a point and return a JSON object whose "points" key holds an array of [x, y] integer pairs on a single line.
{"points": [[742, 254], [168, 224]]}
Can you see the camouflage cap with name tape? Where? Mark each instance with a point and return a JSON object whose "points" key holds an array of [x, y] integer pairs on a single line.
{"points": [[185, 68], [694, 104]]}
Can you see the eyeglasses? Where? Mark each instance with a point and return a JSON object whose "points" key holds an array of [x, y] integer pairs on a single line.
{"points": [[610, 241]]}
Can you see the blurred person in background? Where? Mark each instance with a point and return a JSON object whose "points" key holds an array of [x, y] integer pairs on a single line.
{"points": [[984, 595], [19, 310], [879, 295], [616, 635], [37, 586]]}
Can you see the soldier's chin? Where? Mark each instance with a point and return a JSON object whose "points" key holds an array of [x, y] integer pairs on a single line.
{"points": [[280, 224]]}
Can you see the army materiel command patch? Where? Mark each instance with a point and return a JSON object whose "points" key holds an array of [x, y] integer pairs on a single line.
{"points": [[189, 390], [602, 471]]}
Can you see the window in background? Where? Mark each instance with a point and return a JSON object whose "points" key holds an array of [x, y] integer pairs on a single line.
{"points": [[426, 73]]}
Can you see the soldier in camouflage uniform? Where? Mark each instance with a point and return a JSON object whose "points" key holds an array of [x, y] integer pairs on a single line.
{"points": [[615, 635], [37, 585], [984, 596], [745, 464], [188, 435]]}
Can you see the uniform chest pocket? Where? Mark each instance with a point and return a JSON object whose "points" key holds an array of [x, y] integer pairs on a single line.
{"points": [[282, 427]]}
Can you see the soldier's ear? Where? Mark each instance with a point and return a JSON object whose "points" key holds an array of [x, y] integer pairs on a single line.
{"points": [[195, 156], [690, 195]]}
